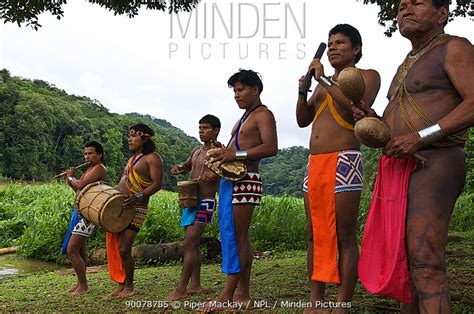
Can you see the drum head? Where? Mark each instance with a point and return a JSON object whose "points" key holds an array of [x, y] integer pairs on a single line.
{"points": [[84, 191], [115, 218], [232, 170]]}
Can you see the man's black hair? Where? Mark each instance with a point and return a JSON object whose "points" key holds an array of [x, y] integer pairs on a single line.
{"points": [[352, 33], [212, 120], [98, 148], [439, 3], [148, 146], [246, 77]]}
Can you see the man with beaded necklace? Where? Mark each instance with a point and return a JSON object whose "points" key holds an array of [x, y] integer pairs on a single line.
{"points": [[431, 107]]}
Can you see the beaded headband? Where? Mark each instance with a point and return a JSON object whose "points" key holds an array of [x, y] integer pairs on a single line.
{"points": [[134, 133]]}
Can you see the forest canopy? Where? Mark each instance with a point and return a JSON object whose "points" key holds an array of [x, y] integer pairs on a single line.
{"points": [[43, 131]]}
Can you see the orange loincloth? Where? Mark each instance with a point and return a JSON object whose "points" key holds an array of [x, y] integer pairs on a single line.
{"points": [[322, 204], [113, 257]]}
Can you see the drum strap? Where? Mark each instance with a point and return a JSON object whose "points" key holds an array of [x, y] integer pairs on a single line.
{"points": [[135, 183], [241, 121], [203, 164]]}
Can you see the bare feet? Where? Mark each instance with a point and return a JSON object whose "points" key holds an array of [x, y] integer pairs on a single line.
{"points": [[80, 289], [126, 293], [199, 290], [114, 293], [176, 295], [73, 288]]}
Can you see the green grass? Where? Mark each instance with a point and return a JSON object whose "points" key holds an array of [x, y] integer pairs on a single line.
{"points": [[35, 217], [274, 280]]}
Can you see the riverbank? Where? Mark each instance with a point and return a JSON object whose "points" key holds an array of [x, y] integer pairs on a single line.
{"points": [[278, 280], [12, 264]]}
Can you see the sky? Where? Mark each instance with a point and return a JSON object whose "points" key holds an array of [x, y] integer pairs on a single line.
{"points": [[176, 67]]}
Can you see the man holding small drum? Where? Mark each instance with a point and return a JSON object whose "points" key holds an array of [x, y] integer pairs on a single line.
{"points": [[194, 220]]}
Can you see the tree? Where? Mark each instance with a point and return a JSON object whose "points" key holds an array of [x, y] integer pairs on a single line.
{"points": [[388, 12], [283, 174], [27, 11], [43, 130]]}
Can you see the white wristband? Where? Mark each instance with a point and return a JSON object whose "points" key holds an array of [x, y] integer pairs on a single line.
{"points": [[139, 196], [325, 81], [241, 154], [70, 179], [431, 134]]}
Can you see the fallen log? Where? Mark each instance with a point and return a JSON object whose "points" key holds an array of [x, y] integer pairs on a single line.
{"points": [[8, 250], [162, 253], [89, 269]]}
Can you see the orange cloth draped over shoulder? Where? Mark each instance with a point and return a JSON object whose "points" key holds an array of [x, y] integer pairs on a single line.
{"points": [[328, 102]]}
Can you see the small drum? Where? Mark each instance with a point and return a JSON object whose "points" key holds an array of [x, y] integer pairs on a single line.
{"points": [[102, 205], [231, 170], [188, 194]]}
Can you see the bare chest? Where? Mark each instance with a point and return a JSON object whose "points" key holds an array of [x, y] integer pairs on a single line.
{"points": [[197, 160], [420, 93], [247, 134], [141, 168]]}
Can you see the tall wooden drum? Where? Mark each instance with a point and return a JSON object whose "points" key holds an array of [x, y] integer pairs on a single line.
{"points": [[188, 194], [103, 205]]}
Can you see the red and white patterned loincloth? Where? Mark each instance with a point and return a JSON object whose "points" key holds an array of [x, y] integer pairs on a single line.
{"points": [[248, 190]]}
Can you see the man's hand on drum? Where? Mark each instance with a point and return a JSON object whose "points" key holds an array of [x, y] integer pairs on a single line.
{"points": [[129, 201], [222, 155]]}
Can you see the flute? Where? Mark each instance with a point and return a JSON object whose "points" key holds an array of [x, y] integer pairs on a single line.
{"points": [[75, 168]]}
